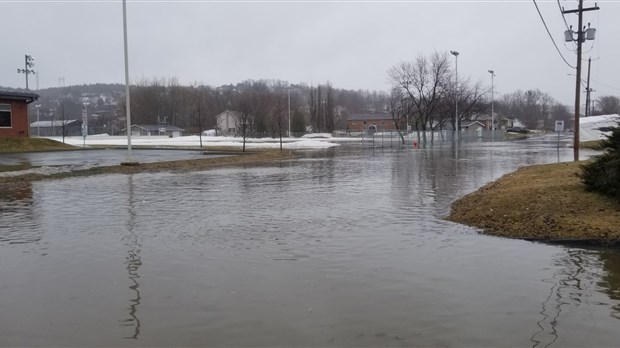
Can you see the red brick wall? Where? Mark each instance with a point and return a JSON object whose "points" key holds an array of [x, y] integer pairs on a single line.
{"points": [[382, 125], [19, 115]]}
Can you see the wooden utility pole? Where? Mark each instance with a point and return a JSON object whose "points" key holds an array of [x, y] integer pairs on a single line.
{"points": [[580, 38], [588, 90]]}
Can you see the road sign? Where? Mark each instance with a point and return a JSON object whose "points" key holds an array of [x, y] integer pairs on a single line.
{"points": [[559, 126]]}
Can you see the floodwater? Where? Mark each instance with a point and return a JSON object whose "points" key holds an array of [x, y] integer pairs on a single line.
{"points": [[107, 157], [344, 247]]}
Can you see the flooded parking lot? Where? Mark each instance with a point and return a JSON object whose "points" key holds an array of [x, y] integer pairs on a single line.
{"points": [[343, 247]]}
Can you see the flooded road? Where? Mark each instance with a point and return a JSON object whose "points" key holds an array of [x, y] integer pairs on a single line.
{"points": [[344, 247]]}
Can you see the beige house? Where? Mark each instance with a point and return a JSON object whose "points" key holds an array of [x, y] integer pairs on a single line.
{"points": [[227, 122]]}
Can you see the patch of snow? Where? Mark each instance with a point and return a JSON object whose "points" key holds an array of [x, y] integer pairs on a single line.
{"points": [[194, 141], [589, 127], [317, 135], [44, 170]]}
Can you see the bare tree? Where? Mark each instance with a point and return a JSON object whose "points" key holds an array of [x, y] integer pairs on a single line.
{"points": [[472, 100], [279, 118], [425, 81], [245, 116], [200, 109], [329, 108], [399, 107], [560, 112], [608, 104], [530, 107]]}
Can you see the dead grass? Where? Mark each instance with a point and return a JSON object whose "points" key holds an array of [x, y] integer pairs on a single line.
{"points": [[12, 145], [546, 202], [593, 144]]}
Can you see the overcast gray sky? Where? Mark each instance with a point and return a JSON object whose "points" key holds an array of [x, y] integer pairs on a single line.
{"points": [[352, 44]]}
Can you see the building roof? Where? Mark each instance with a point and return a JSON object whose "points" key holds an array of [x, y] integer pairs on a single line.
{"points": [[370, 116], [155, 127], [17, 94], [56, 123], [233, 113], [472, 123]]}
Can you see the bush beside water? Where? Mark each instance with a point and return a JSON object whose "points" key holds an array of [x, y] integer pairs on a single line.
{"points": [[603, 173]]}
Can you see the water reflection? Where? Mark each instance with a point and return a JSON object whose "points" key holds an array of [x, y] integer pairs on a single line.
{"points": [[18, 220], [611, 280], [133, 262], [576, 277]]}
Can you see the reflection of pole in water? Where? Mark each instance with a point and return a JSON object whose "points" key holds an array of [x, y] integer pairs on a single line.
{"points": [[133, 262], [565, 281]]}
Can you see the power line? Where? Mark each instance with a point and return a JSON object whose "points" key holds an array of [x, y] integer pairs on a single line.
{"points": [[606, 85], [563, 17], [550, 36], [567, 27]]}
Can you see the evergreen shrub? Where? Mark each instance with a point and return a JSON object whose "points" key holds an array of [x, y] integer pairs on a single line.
{"points": [[603, 173]]}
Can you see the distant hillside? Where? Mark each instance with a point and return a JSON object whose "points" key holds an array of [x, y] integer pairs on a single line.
{"points": [[112, 90]]}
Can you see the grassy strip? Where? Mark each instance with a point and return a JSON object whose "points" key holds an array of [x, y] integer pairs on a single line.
{"points": [[593, 144], [12, 145], [542, 202], [247, 158]]}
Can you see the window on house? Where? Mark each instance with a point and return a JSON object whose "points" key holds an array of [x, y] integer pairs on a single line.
{"points": [[5, 115]]}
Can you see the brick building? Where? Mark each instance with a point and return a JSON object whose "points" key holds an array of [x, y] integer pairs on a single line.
{"points": [[14, 112], [381, 121]]}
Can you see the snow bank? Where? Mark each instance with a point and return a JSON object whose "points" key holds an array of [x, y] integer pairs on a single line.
{"points": [[194, 141], [589, 127]]}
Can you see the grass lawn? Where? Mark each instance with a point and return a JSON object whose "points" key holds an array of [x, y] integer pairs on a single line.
{"points": [[11, 145], [541, 202]]}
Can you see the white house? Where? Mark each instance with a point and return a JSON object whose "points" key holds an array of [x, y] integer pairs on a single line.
{"points": [[227, 122]]}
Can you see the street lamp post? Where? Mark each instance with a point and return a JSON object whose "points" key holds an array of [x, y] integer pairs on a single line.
{"points": [[127, 98], [492, 106], [456, 94], [289, 112], [38, 106]]}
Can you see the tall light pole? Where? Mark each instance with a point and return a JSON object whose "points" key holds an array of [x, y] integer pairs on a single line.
{"points": [[28, 65], [492, 106], [289, 111], [127, 99], [456, 94], [38, 106]]}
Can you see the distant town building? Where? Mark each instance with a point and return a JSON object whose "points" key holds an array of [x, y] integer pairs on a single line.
{"points": [[14, 112], [153, 129], [71, 128], [380, 121], [227, 122]]}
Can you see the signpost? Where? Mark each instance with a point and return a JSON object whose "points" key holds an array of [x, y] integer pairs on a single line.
{"points": [[559, 128]]}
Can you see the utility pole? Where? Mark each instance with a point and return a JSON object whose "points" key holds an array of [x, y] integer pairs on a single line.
{"points": [[492, 72], [580, 38], [588, 90]]}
